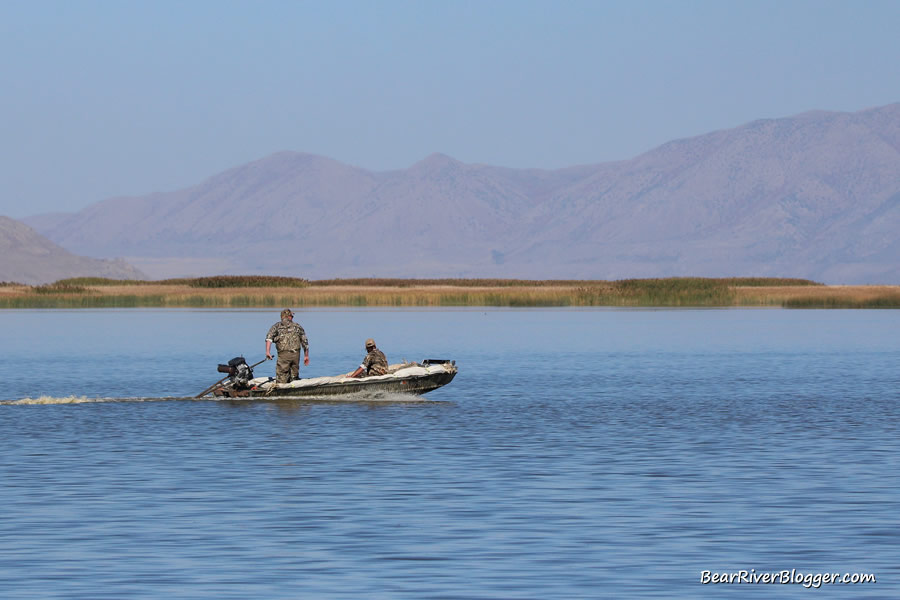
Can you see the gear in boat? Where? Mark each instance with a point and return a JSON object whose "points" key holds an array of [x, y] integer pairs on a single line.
{"points": [[409, 378]]}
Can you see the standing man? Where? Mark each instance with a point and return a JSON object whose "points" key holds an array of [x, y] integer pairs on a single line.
{"points": [[375, 362], [288, 337]]}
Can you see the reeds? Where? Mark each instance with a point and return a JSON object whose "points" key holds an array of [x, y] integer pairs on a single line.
{"points": [[59, 288], [219, 281], [271, 292], [859, 296], [891, 300], [452, 282]]}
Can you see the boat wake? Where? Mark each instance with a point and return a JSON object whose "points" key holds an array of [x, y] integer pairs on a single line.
{"points": [[357, 397], [76, 400]]}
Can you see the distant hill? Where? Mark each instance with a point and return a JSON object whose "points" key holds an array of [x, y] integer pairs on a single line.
{"points": [[32, 259], [815, 195]]}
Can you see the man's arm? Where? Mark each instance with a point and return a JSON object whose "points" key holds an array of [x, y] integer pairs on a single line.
{"points": [[304, 343]]}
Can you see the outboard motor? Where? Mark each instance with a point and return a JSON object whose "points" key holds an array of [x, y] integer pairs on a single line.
{"points": [[239, 372]]}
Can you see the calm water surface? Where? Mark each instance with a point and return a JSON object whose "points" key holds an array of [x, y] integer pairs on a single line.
{"points": [[578, 454]]}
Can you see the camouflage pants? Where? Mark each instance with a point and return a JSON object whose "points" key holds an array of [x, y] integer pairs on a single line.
{"points": [[287, 367]]}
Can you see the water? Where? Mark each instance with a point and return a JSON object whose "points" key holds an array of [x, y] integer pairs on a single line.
{"points": [[578, 454]]}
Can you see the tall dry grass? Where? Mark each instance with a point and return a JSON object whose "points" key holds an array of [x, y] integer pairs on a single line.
{"points": [[858, 296], [238, 292]]}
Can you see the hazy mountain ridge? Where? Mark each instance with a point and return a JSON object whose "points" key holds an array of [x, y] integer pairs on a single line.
{"points": [[815, 195], [777, 197], [32, 259]]}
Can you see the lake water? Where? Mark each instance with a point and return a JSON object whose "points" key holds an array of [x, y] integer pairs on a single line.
{"points": [[598, 453]]}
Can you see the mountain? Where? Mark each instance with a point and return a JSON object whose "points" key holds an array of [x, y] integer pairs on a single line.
{"points": [[815, 195], [32, 259]]}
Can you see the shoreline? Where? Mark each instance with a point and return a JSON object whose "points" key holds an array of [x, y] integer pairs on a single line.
{"points": [[248, 292]]}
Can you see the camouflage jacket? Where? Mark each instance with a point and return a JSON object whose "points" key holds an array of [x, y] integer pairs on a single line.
{"points": [[288, 336], [375, 362]]}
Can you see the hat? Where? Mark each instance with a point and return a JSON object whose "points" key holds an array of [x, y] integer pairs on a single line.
{"points": [[370, 343], [286, 313]]}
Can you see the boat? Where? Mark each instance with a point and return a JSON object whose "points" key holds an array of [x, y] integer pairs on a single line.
{"points": [[405, 378]]}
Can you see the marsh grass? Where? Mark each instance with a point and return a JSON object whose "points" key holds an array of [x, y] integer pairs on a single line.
{"points": [[885, 301], [411, 283], [860, 296], [239, 292], [677, 291], [219, 281], [769, 282], [59, 288]]}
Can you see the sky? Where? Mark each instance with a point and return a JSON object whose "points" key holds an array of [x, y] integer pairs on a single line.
{"points": [[105, 98]]}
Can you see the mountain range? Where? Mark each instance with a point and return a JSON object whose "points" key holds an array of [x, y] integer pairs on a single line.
{"points": [[816, 195], [33, 259]]}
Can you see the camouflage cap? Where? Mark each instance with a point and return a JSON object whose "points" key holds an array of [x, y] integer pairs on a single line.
{"points": [[286, 313], [370, 343]]}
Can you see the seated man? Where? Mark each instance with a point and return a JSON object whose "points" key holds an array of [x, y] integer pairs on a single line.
{"points": [[375, 362]]}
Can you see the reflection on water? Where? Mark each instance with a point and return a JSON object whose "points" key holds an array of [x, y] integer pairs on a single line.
{"points": [[578, 454]]}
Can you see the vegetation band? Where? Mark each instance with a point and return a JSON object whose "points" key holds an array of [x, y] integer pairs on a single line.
{"points": [[268, 292]]}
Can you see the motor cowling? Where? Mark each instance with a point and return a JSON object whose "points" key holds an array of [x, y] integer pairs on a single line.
{"points": [[239, 372]]}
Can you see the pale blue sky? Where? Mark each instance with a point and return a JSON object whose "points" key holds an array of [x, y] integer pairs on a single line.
{"points": [[129, 97]]}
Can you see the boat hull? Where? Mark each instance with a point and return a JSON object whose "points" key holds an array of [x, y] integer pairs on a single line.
{"points": [[419, 384]]}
